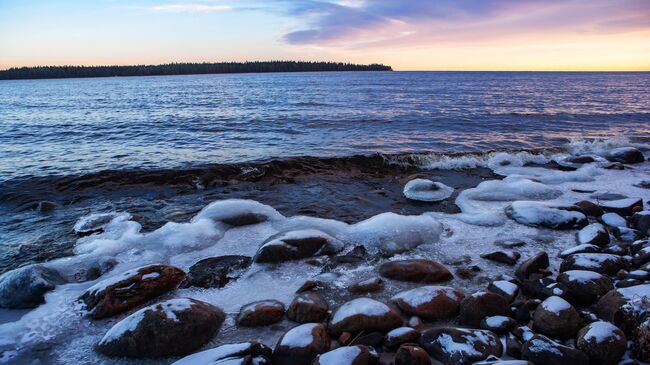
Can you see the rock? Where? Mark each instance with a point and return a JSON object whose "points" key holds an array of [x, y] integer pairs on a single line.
{"points": [[615, 249], [602, 342], [367, 286], [216, 272], [509, 243], [504, 288], [498, 324], [627, 155], [495, 361], [580, 249], [409, 354], [641, 341], [294, 245], [513, 346], [641, 222], [90, 271], [122, 292], [625, 207], [533, 265], [300, 345], [348, 355], [307, 307], [427, 190], [46, 206], [521, 312], [538, 286], [479, 305], [594, 234], [460, 346], [589, 208], [603, 263], [580, 159], [613, 220], [247, 353], [371, 339], [356, 256], [584, 287], [541, 350], [25, 287], [415, 270], [617, 306], [537, 214], [364, 314], [503, 257], [430, 302], [400, 336], [260, 313], [170, 328], [556, 318], [626, 234]]}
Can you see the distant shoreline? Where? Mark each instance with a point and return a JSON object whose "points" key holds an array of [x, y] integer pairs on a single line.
{"points": [[59, 72]]}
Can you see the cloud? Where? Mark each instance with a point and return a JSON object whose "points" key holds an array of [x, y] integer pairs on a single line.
{"points": [[190, 8]]}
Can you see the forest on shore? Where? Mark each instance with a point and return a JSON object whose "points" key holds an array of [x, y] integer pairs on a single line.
{"points": [[52, 72]]}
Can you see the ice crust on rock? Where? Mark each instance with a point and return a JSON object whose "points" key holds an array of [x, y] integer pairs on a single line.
{"points": [[427, 190], [367, 306], [545, 215]]}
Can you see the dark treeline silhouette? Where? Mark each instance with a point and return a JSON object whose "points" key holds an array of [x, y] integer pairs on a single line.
{"points": [[52, 72]]}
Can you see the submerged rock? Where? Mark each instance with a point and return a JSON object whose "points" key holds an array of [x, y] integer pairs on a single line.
{"points": [[300, 345], [533, 265], [171, 328], [460, 346], [25, 287], [427, 190], [602, 342], [216, 272], [294, 245], [541, 350], [415, 270], [503, 257], [430, 302], [247, 353], [556, 318], [261, 313], [538, 214], [348, 355], [130, 289], [364, 314], [307, 307], [367, 286]]}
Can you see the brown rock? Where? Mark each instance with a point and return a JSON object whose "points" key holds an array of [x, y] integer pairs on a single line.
{"points": [[480, 305], [460, 346], [294, 245], [261, 313], [503, 257], [556, 318], [411, 355], [532, 266], [416, 270], [541, 350], [400, 336], [589, 208], [364, 314], [430, 302], [584, 287], [216, 272], [307, 307], [603, 263], [348, 355], [300, 345], [367, 286], [602, 342]]}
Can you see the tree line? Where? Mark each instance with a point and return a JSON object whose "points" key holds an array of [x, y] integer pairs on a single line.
{"points": [[50, 72]]}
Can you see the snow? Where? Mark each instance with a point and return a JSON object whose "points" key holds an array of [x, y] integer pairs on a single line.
{"points": [[213, 355], [496, 321], [536, 213], [506, 286], [539, 345], [620, 203], [96, 221], [427, 190], [579, 248], [635, 292], [365, 306], [449, 346], [582, 275], [601, 331], [299, 337], [424, 294], [613, 220], [151, 275], [593, 260], [332, 245], [341, 356], [397, 332], [589, 233], [555, 304]]}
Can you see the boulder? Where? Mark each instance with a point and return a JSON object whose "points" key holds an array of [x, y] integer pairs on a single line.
{"points": [[415, 270], [498, 324], [603, 263], [641, 222], [170, 328], [294, 245], [460, 346], [509, 258], [533, 265], [602, 342], [541, 350], [627, 155], [409, 354], [247, 353], [349, 355], [594, 234], [25, 287], [477, 306], [261, 313], [641, 341], [427, 191], [300, 345], [580, 249], [625, 207], [367, 286], [556, 318], [504, 288], [618, 305], [122, 292], [400, 336], [307, 307], [364, 314], [537, 214], [613, 220], [430, 302], [584, 287], [589, 208], [216, 272]]}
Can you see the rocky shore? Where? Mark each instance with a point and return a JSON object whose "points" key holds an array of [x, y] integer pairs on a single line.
{"points": [[370, 292]]}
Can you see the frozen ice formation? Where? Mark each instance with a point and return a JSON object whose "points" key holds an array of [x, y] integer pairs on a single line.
{"points": [[427, 190]]}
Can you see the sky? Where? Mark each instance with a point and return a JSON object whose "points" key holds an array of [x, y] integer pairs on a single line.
{"points": [[547, 35]]}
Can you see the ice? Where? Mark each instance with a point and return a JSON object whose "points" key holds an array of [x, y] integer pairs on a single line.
{"points": [[427, 190], [555, 304], [506, 286], [397, 332], [601, 331], [541, 214], [341, 356], [97, 221], [223, 210], [300, 336], [613, 220], [620, 203], [593, 260], [365, 306], [332, 245], [448, 345], [578, 248], [635, 292]]}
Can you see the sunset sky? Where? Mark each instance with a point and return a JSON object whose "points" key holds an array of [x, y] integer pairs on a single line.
{"points": [[408, 35]]}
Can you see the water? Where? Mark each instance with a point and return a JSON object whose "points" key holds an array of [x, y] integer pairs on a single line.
{"points": [[77, 126]]}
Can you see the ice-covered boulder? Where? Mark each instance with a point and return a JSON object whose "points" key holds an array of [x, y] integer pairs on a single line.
{"points": [[602, 342], [25, 287], [307, 307], [364, 314], [641, 222], [623, 305], [556, 318], [300, 345], [629, 155], [232, 354], [125, 291], [475, 307], [602, 263], [625, 207], [261, 313], [427, 190], [498, 324], [415, 270], [460, 346], [238, 212], [541, 350], [348, 355], [171, 328], [401, 335], [430, 302], [538, 214], [409, 354], [294, 245], [216, 272], [593, 234], [506, 289], [584, 287]]}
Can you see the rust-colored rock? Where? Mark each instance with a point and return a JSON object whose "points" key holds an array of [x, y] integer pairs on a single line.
{"points": [[416, 270]]}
